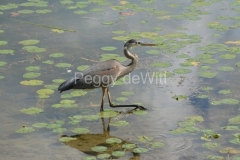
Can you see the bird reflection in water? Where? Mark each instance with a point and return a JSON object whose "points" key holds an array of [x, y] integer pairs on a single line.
{"points": [[85, 142]]}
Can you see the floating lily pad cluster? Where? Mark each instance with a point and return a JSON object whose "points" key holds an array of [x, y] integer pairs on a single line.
{"points": [[148, 141], [79, 7], [44, 93], [229, 101], [188, 126], [29, 46], [66, 104], [78, 118], [56, 127]]}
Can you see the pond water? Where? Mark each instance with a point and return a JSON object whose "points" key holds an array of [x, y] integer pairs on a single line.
{"points": [[192, 112]]}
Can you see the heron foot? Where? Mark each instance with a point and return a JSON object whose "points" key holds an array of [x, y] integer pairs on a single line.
{"points": [[140, 107]]}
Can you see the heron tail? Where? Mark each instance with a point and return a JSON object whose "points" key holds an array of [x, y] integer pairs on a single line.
{"points": [[67, 85]]}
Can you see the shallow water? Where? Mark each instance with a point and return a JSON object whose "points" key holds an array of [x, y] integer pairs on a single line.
{"points": [[83, 47]]}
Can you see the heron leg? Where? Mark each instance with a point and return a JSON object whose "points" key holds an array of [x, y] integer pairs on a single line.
{"points": [[104, 89], [131, 105]]}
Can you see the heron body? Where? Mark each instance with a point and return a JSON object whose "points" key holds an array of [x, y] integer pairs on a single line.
{"points": [[103, 74]]}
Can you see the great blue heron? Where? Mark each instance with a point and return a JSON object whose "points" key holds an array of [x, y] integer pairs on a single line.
{"points": [[104, 73]]}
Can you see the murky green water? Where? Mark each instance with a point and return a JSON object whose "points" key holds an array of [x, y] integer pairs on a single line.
{"points": [[193, 114]]}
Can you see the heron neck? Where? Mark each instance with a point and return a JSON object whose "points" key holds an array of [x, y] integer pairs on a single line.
{"points": [[130, 56]]}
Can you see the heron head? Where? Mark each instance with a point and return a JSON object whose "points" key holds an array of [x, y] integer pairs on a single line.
{"points": [[132, 42]]}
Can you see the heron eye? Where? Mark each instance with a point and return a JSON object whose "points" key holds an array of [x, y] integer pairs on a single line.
{"points": [[138, 42]]}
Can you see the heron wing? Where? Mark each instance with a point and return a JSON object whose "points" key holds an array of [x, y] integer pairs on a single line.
{"points": [[103, 68], [100, 74]]}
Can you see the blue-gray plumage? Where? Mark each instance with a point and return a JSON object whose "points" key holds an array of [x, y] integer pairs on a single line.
{"points": [[105, 73]]}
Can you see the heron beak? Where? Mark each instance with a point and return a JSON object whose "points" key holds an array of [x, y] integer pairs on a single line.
{"points": [[146, 44]]}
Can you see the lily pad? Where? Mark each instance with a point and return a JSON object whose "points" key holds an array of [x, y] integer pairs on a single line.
{"points": [[227, 56], [2, 63], [64, 95], [213, 157], [225, 68], [230, 101], [91, 117], [99, 148], [113, 140], [107, 113], [103, 156], [97, 10], [230, 128], [40, 125], [67, 139], [108, 48], [203, 68], [67, 101], [80, 130], [3, 43], [225, 91], [32, 83], [56, 55], [31, 75], [119, 123], [161, 64], [118, 153], [140, 150], [129, 146], [58, 80], [229, 150], [54, 126], [127, 93], [32, 110], [34, 49], [25, 11], [157, 144], [209, 61], [29, 42], [78, 93], [107, 23], [80, 12], [196, 118], [82, 67], [45, 91], [153, 52], [206, 88], [51, 87], [234, 120], [43, 11], [207, 74], [210, 145], [63, 65], [48, 62], [140, 112], [6, 51], [25, 129], [32, 68], [183, 56], [182, 71], [60, 130]]}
